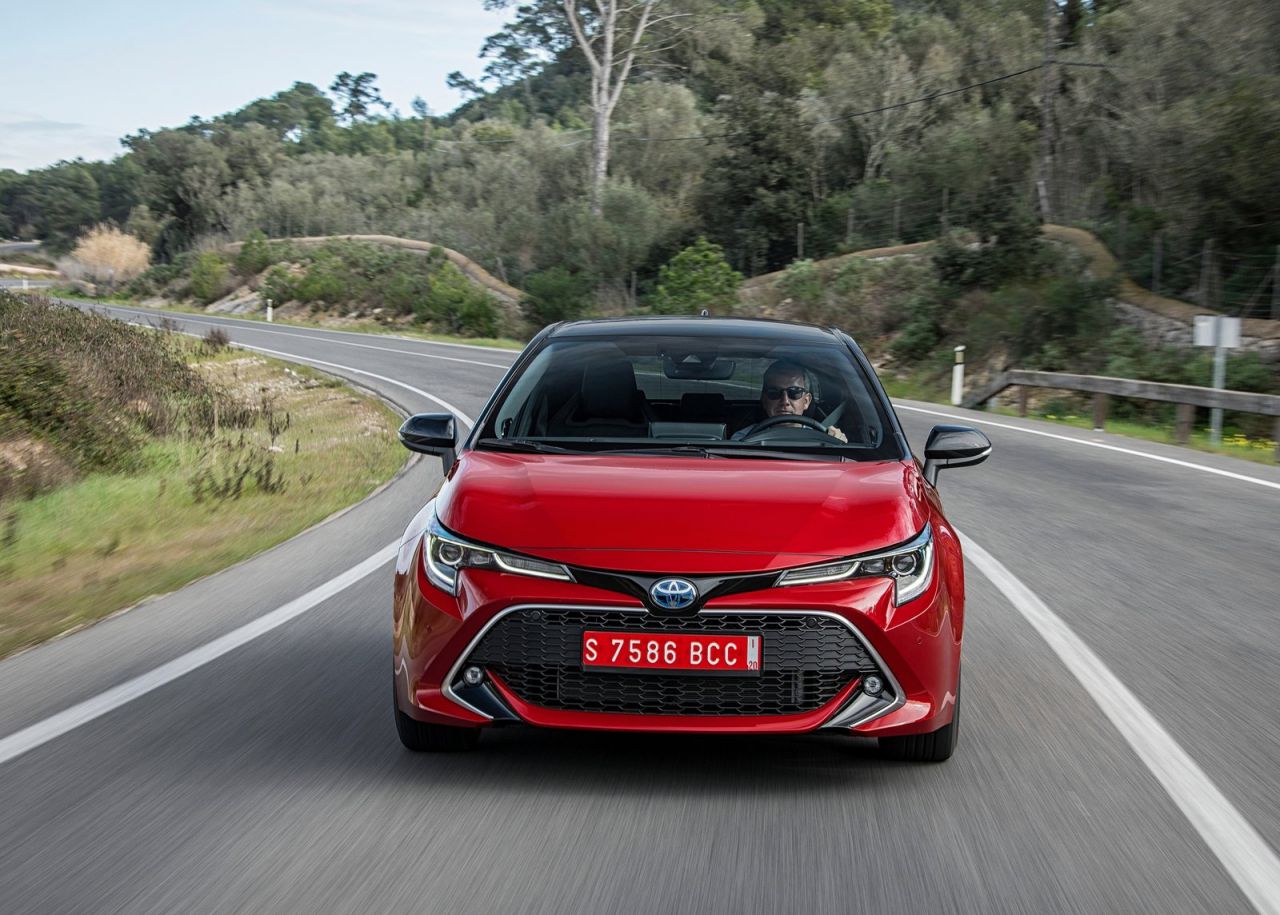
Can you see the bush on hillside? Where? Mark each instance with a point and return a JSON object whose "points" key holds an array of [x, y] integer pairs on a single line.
{"points": [[555, 295], [698, 277], [96, 413], [210, 278]]}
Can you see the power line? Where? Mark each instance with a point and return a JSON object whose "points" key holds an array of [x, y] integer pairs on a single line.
{"points": [[738, 133], [848, 117]]}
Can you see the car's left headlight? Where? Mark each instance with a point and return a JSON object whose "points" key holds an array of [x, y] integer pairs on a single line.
{"points": [[444, 554], [910, 566]]}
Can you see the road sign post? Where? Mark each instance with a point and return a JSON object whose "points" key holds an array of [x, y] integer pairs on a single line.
{"points": [[1222, 333], [268, 311]]}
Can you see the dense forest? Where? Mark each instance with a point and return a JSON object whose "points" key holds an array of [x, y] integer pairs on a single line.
{"points": [[777, 130]]}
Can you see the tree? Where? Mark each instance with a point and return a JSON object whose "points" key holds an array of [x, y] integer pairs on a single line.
{"points": [[357, 95], [609, 35], [698, 277]]}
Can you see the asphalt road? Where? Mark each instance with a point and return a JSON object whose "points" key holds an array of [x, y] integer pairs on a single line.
{"points": [[270, 779]]}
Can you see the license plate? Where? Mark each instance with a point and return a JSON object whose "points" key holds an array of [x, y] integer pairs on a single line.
{"points": [[703, 652]]}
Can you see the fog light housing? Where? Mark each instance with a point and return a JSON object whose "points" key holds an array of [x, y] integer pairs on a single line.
{"points": [[473, 676], [873, 685]]}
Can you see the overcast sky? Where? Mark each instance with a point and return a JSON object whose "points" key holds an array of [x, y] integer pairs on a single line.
{"points": [[76, 76]]}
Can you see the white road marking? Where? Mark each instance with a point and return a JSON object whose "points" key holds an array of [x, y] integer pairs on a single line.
{"points": [[56, 725], [1080, 441], [318, 337], [294, 357], [83, 712], [1247, 857]]}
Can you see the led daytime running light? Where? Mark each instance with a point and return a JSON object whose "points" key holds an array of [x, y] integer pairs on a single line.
{"points": [[910, 566], [444, 554]]}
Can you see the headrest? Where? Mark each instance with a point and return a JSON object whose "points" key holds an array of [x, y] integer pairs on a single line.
{"points": [[608, 391]]}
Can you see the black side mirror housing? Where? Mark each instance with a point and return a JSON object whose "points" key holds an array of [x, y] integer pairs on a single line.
{"points": [[432, 433], [953, 446]]}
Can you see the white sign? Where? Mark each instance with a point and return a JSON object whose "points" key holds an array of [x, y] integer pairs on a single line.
{"points": [[1227, 332]]}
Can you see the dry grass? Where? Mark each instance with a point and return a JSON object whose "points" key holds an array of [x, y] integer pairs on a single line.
{"points": [[108, 257], [89, 548]]}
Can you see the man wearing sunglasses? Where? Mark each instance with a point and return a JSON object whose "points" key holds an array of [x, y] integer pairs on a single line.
{"points": [[787, 390]]}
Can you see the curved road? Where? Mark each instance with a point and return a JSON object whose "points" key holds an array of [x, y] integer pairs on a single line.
{"points": [[268, 776]]}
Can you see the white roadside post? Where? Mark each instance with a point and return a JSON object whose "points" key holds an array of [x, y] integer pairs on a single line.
{"points": [[24, 284], [957, 378], [1222, 334], [268, 311]]}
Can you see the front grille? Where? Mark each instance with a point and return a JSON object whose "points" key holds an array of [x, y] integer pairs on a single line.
{"points": [[807, 660]]}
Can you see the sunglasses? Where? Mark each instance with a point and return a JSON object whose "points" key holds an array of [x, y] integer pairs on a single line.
{"points": [[795, 392]]}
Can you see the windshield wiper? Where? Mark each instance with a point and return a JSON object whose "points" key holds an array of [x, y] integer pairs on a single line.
{"points": [[525, 445], [714, 452]]}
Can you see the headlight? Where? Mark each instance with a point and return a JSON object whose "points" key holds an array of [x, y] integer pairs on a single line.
{"points": [[910, 566], [444, 553]]}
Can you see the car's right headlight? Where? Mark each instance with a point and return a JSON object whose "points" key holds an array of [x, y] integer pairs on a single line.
{"points": [[909, 565], [444, 554]]}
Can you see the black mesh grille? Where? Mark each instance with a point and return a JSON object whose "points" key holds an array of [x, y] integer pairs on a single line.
{"points": [[806, 661]]}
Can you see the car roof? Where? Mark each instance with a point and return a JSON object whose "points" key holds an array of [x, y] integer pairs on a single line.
{"points": [[687, 326]]}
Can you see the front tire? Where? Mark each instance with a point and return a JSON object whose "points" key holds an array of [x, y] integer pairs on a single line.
{"points": [[421, 737], [936, 746]]}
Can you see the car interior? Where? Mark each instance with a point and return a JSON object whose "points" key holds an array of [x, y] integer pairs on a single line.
{"points": [[603, 392]]}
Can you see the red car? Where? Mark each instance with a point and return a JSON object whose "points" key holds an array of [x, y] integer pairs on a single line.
{"points": [[683, 524]]}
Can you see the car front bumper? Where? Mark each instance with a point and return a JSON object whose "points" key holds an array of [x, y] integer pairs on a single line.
{"points": [[821, 643]]}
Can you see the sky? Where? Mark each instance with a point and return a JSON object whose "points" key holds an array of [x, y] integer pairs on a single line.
{"points": [[87, 73]]}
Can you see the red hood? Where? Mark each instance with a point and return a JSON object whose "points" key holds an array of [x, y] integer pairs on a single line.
{"points": [[630, 513]]}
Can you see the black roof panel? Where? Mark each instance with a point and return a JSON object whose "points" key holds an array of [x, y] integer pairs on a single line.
{"points": [[650, 325]]}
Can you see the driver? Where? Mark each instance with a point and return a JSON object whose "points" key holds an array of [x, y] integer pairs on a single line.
{"points": [[787, 389]]}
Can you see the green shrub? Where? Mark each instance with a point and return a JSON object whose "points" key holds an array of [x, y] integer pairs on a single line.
{"points": [[209, 278], [326, 281], [255, 255], [456, 306], [803, 284], [698, 277], [278, 285], [555, 295]]}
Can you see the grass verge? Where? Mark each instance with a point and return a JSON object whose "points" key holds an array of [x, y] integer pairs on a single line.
{"points": [[86, 549], [1234, 444]]}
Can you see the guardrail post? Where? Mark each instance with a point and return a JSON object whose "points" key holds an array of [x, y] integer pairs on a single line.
{"points": [[1023, 393], [1100, 412], [1182, 425]]}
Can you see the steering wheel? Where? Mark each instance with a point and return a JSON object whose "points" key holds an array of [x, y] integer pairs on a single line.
{"points": [[785, 419]]}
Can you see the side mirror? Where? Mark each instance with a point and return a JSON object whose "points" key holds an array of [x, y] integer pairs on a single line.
{"points": [[431, 433], [953, 446]]}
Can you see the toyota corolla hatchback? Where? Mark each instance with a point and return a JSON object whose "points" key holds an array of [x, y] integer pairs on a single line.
{"points": [[683, 524]]}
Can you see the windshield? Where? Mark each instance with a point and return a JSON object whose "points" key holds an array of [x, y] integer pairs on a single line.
{"points": [[697, 395]]}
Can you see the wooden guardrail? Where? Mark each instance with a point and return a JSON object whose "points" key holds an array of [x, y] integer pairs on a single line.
{"points": [[1186, 396]]}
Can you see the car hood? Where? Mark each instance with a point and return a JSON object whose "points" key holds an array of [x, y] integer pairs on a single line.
{"points": [[630, 513]]}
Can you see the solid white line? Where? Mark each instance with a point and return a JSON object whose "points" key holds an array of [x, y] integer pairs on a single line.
{"points": [[83, 712], [294, 357], [1080, 441], [56, 725], [320, 337], [335, 365], [1246, 855]]}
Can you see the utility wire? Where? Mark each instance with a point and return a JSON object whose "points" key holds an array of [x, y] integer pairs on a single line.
{"points": [[738, 133]]}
